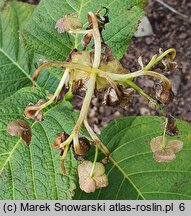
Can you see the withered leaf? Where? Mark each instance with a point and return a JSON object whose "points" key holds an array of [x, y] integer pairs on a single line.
{"points": [[20, 128]]}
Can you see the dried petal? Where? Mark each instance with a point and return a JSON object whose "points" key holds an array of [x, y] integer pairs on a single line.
{"points": [[99, 170], [77, 86], [167, 63], [84, 169], [111, 97], [20, 128], [164, 156], [86, 40], [101, 181], [87, 184], [84, 147], [60, 138], [32, 111], [61, 94], [175, 145], [68, 22]]}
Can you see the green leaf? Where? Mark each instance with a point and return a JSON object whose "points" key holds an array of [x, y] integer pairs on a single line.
{"points": [[132, 171], [40, 33], [34, 172], [15, 64]]}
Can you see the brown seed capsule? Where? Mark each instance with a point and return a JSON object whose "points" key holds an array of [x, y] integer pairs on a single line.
{"points": [[20, 128], [32, 111], [164, 94], [84, 147]]}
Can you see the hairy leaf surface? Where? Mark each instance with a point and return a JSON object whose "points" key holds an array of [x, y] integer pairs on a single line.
{"points": [[40, 33], [15, 63], [132, 171], [34, 172]]}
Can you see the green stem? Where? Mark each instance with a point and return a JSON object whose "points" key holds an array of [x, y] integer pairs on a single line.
{"points": [[95, 138], [125, 77], [58, 90], [144, 94], [164, 134], [95, 160], [155, 59]]}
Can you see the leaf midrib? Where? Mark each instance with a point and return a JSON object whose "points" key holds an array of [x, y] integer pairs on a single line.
{"points": [[18, 66]]}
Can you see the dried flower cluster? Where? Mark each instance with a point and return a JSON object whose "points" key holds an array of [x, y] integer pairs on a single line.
{"points": [[98, 70]]}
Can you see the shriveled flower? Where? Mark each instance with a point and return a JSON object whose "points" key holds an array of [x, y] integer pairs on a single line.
{"points": [[68, 22], [20, 128], [97, 180], [164, 93], [164, 150], [32, 111]]}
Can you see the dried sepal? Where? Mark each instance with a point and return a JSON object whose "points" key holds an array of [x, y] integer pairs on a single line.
{"points": [[164, 156], [175, 145], [32, 111], [86, 40], [164, 150], [172, 126], [167, 62], [111, 97], [101, 20], [119, 95], [20, 128], [83, 148], [68, 23], [97, 180]]}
